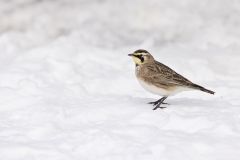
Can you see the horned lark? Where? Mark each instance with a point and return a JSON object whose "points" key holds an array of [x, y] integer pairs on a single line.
{"points": [[159, 79]]}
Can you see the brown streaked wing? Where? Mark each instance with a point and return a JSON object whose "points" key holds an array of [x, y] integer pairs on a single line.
{"points": [[160, 73]]}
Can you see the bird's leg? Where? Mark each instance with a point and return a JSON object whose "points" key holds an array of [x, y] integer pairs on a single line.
{"points": [[160, 101], [157, 102]]}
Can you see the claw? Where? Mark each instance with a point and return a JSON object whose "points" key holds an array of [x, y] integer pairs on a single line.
{"points": [[166, 104]]}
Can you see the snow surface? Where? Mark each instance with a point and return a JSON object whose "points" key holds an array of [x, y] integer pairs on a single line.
{"points": [[68, 89]]}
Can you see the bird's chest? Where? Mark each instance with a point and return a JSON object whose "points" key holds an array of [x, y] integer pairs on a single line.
{"points": [[147, 85], [138, 71]]}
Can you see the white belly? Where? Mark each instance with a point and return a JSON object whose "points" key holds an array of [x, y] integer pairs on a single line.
{"points": [[161, 91]]}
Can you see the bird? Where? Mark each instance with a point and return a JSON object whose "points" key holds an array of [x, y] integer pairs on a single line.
{"points": [[160, 79]]}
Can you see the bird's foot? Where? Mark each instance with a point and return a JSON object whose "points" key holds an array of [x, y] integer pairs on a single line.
{"points": [[165, 103], [158, 103], [158, 107], [154, 103]]}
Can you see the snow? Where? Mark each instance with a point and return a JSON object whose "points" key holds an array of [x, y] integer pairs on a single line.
{"points": [[68, 89]]}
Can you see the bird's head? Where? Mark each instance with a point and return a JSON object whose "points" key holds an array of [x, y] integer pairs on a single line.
{"points": [[141, 56]]}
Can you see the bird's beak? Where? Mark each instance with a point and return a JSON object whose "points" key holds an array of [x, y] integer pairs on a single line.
{"points": [[130, 55]]}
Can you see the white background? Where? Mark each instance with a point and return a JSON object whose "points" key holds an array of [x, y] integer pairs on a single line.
{"points": [[68, 89]]}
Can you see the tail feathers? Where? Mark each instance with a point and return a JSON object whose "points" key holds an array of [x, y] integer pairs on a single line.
{"points": [[195, 86]]}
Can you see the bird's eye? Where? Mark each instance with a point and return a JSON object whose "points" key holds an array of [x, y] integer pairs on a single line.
{"points": [[141, 58]]}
